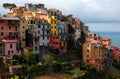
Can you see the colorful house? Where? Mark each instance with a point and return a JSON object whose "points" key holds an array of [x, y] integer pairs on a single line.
{"points": [[93, 53], [58, 34], [106, 42], [108, 57], [43, 32], [116, 53], [10, 47], [92, 37], [9, 27], [22, 31], [54, 12]]}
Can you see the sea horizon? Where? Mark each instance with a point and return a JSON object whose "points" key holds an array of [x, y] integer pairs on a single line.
{"points": [[114, 36], [107, 30]]}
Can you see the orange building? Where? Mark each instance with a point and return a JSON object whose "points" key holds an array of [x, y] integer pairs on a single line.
{"points": [[106, 42], [18, 11], [93, 53], [41, 16]]}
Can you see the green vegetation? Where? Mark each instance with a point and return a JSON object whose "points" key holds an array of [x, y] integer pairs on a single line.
{"points": [[50, 66], [2, 66]]}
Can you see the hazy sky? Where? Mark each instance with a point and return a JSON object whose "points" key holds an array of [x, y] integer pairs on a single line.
{"points": [[87, 10]]}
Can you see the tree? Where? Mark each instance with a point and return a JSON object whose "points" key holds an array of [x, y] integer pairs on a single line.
{"points": [[29, 61], [76, 72], [47, 59], [9, 6], [70, 42]]}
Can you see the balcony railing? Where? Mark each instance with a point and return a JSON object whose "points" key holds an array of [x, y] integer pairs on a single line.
{"points": [[15, 24]]}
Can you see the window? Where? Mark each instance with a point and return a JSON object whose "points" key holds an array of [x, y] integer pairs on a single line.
{"points": [[87, 45], [38, 26], [38, 32], [8, 52], [12, 51], [1, 44], [87, 50], [9, 27], [95, 38], [10, 45], [87, 56], [2, 33], [31, 22], [90, 35], [1, 27], [43, 37], [87, 60], [47, 37], [43, 34], [10, 33], [35, 48], [95, 35], [99, 55], [23, 39], [16, 28], [43, 27], [48, 32], [0, 52]]}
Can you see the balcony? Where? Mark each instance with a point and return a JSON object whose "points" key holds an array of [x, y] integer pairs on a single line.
{"points": [[46, 29], [13, 24]]}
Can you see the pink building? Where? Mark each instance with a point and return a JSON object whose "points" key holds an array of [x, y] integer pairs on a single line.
{"points": [[10, 48], [116, 52], [92, 37], [106, 42]]}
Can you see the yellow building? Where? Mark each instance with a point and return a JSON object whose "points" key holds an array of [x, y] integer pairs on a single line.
{"points": [[53, 23], [22, 30]]}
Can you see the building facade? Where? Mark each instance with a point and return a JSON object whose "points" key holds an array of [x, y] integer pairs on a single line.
{"points": [[92, 37], [116, 53], [93, 53], [9, 27], [10, 48]]}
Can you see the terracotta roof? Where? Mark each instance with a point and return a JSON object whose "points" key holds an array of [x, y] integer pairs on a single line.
{"points": [[9, 18], [104, 38], [9, 41]]}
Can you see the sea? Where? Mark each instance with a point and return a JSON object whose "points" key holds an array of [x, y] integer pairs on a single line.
{"points": [[114, 36], [109, 30]]}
